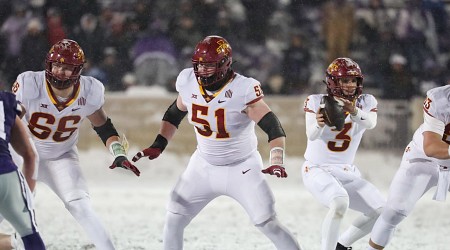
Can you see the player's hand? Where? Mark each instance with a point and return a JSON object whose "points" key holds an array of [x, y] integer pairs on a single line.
{"points": [[154, 150], [277, 170], [150, 152], [320, 119], [123, 162]]}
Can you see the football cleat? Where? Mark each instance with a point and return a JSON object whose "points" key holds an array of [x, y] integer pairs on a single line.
{"points": [[339, 246]]}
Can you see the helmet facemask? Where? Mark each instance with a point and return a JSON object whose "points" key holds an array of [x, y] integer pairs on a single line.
{"points": [[343, 68], [65, 52], [215, 55]]}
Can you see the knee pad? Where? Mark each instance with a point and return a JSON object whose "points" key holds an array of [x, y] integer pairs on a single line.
{"points": [[176, 221], [78, 206], [267, 222], [374, 213], [392, 216], [339, 206]]}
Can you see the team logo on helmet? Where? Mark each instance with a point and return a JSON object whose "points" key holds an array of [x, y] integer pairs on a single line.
{"points": [[223, 47], [333, 68]]}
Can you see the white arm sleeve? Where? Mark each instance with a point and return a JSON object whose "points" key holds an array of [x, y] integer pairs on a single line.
{"points": [[313, 130], [367, 119], [432, 124]]}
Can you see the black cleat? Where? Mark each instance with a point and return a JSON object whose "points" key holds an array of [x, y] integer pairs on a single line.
{"points": [[339, 246]]}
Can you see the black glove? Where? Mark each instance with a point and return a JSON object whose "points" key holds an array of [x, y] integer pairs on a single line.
{"points": [[333, 112], [154, 150], [123, 162]]}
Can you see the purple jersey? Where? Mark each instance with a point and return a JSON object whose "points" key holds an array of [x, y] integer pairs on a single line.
{"points": [[9, 108]]}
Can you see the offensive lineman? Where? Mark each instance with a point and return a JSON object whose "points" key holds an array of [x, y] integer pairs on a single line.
{"points": [[15, 194], [56, 101], [223, 106], [328, 172], [425, 164]]}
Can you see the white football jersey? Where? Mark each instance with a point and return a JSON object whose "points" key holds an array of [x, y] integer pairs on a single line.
{"points": [[225, 134], [438, 106], [337, 147], [54, 131]]}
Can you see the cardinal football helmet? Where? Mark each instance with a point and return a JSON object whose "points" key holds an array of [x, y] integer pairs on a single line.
{"points": [[65, 52], [342, 68], [212, 50]]}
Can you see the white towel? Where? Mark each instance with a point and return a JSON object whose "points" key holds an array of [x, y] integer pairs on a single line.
{"points": [[443, 183]]}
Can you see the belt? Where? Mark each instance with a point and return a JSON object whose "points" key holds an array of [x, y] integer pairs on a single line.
{"points": [[414, 160]]}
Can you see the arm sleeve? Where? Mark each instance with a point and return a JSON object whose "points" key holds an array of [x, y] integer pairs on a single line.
{"points": [[313, 130], [366, 114], [367, 119]]}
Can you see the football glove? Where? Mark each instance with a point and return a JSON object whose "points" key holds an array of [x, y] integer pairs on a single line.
{"points": [[333, 112], [119, 151], [276, 163], [154, 150], [123, 162], [277, 170]]}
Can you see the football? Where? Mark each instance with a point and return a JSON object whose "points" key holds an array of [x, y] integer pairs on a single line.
{"points": [[333, 112]]}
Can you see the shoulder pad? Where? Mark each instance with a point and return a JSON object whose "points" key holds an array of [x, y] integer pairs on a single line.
{"points": [[183, 77], [94, 89], [29, 85]]}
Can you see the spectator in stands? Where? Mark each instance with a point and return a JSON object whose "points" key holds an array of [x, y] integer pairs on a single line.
{"points": [[56, 31], [399, 84], [338, 23], [113, 69], [34, 47], [295, 70], [416, 32], [90, 36], [13, 31], [154, 60]]}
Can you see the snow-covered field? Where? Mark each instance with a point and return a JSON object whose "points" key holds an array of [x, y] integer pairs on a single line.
{"points": [[133, 209]]}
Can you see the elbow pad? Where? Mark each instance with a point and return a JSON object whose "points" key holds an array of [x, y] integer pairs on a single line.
{"points": [[106, 130], [174, 115], [272, 126]]}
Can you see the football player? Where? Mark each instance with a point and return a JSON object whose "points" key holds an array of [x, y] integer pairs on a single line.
{"points": [[328, 171], [425, 164], [15, 194], [55, 102], [223, 106]]}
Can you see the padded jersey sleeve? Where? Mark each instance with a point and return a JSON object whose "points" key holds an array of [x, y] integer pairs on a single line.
{"points": [[370, 103], [310, 107], [96, 96], [253, 92], [25, 88], [312, 103], [433, 120]]}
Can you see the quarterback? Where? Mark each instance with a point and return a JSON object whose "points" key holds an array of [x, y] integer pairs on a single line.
{"points": [[55, 102], [328, 171], [425, 164], [223, 107]]}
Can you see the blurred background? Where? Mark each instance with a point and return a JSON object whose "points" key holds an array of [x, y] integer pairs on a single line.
{"points": [[402, 46]]}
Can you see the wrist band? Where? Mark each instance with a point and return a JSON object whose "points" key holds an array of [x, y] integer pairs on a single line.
{"points": [[277, 156], [448, 150], [117, 149]]}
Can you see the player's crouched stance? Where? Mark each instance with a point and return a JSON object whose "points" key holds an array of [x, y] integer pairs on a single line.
{"points": [[329, 172], [223, 106], [425, 164], [56, 101]]}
